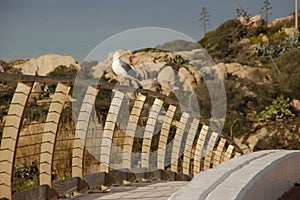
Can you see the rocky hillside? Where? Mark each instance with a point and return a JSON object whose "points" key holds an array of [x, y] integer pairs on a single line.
{"points": [[258, 63], [251, 41], [263, 106]]}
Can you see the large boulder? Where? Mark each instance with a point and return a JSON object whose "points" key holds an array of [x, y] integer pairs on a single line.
{"points": [[255, 74], [185, 74], [256, 137], [291, 32], [196, 74], [243, 42], [103, 67], [145, 58], [296, 105], [243, 20], [150, 70], [281, 21], [196, 54], [44, 64], [256, 21], [222, 71], [166, 78]]}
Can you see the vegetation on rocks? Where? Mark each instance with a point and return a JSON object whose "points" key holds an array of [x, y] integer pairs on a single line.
{"points": [[278, 110], [250, 104], [288, 78], [233, 41], [221, 43], [176, 62]]}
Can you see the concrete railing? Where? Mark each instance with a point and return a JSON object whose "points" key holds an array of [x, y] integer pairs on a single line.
{"points": [[262, 175], [61, 148]]}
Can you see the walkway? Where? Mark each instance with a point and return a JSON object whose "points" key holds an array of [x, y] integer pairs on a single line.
{"points": [[157, 191]]}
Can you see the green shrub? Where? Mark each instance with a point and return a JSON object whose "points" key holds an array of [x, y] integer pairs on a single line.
{"points": [[221, 43], [279, 109], [289, 66], [277, 37], [176, 62], [25, 177], [255, 39], [256, 31], [285, 135], [63, 70], [240, 106]]}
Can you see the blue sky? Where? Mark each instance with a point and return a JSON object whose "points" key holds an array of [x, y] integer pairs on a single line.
{"points": [[30, 28]]}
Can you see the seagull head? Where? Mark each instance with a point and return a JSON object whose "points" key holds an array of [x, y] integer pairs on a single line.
{"points": [[116, 55]]}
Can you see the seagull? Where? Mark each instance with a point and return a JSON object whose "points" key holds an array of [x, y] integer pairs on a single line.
{"points": [[123, 69]]}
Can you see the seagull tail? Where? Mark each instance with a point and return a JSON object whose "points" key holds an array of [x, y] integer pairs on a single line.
{"points": [[136, 81]]}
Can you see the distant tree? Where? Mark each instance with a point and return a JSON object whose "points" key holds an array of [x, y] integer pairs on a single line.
{"points": [[242, 12], [204, 19], [267, 10]]}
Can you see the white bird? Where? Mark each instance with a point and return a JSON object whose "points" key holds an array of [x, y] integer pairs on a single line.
{"points": [[123, 69]]}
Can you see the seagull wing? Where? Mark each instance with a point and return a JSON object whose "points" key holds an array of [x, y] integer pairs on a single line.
{"points": [[130, 71]]}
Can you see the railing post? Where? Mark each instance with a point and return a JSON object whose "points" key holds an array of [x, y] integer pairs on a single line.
{"points": [[209, 150], [131, 129], [177, 141], [163, 138], [81, 131], [188, 147], [228, 153], [199, 149], [50, 132], [10, 137], [149, 131], [219, 151], [109, 128]]}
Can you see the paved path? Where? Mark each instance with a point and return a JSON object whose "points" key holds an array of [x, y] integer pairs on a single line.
{"points": [[157, 191]]}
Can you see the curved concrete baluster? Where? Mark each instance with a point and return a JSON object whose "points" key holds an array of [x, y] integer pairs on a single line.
{"points": [[131, 129], [50, 130], [81, 131], [199, 149], [10, 136], [109, 128], [219, 151], [209, 150], [228, 153], [163, 137], [188, 147], [177, 141], [237, 154], [149, 131]]}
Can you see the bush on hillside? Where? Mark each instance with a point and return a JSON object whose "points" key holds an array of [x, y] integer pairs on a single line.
{"points": [[289, 66], [221, 43], [63, 70], [278, 110], [241, 105], [256, 31]]}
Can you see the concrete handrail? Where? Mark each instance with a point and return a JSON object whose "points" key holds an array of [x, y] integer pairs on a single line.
{"points": [[262, 175]]}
